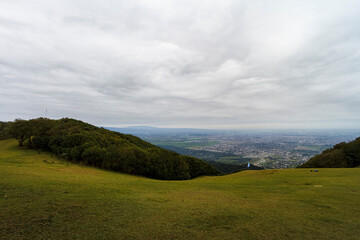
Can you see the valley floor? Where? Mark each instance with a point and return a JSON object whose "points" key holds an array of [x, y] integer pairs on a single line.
{"points": [[42, 197]]}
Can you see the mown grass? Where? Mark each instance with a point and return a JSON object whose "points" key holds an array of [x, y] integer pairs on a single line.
{"points": [[42, 197]]}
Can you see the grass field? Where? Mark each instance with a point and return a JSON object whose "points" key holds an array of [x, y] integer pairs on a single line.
{"points": [[44, 198]]}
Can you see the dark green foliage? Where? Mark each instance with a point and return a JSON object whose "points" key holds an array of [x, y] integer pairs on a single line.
{"points": [[80, 142], [226, 168], [4, 130], [342, 155], [21, 130]]}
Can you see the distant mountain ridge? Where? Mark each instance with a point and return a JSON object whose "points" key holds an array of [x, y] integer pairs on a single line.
{"points": [[148, 130], [342, 155]]}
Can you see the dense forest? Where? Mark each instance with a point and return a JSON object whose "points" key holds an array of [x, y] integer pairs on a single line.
{"points": [[80, 142], [342, 155]]}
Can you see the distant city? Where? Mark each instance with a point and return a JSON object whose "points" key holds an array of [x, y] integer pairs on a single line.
{"points": [[264, 148]]}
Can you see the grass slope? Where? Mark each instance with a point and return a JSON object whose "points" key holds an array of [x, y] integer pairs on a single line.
{"points": [[43, 198]]}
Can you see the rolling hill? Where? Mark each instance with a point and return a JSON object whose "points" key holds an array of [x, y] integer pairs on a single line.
{"points": [[44, 197], [83, 143], [342, 155]]}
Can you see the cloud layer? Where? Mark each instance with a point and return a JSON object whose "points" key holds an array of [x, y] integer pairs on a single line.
{"points": [[234, 64]]}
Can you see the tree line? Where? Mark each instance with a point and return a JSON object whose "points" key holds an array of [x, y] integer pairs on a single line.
{"points": [[81, 142]]}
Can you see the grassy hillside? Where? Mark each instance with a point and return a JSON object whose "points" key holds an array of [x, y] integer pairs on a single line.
{"points": [[342, 155], [81, 142], [42, 197]]}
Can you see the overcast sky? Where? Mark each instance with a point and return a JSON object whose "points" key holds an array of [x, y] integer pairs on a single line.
{"points": [[202, 64]]}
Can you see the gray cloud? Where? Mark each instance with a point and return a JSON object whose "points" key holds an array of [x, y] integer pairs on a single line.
{"points": [[285, 64]]}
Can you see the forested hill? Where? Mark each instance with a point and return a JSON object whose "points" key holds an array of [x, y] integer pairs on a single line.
{"points": [[80, 142], [342, 155]]}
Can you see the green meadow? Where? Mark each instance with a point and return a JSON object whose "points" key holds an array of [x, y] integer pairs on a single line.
{"points": [[42, 197]]}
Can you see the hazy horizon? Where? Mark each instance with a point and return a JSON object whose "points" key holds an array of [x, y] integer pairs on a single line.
{"points": [[231, 129], [191, 64]]}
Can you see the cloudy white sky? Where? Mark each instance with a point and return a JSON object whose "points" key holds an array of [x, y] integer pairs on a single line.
{"points": [[203, 64]]}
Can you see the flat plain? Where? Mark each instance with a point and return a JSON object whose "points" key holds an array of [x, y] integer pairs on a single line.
{"points": [[42, 197]]}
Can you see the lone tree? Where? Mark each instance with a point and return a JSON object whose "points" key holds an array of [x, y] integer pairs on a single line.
{"points": [[20, 129]]}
